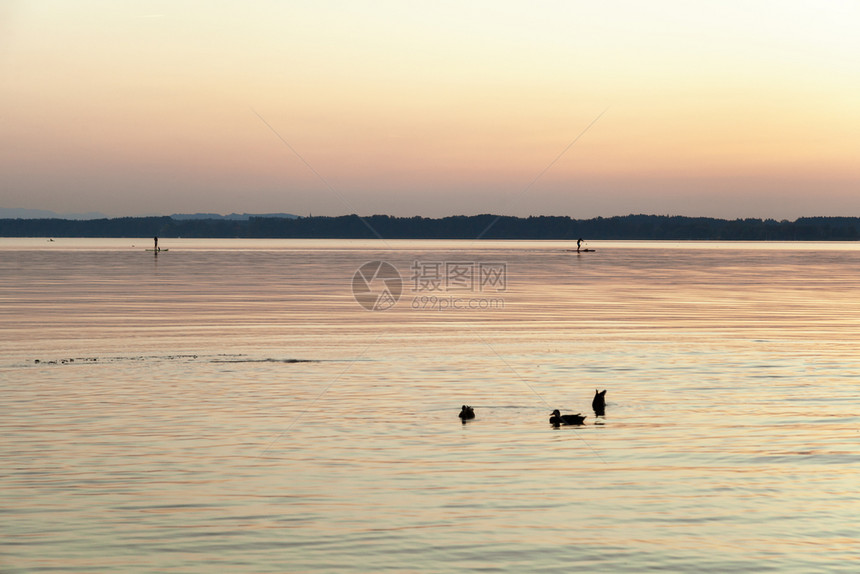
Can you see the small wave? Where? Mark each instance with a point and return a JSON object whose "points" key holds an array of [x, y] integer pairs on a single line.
{"points": [[219, 358], [267, 360], [70, 360]]}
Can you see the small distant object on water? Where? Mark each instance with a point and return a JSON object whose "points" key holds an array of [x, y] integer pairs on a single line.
{"points": [[579, 248], [598, 403], [467, 413], [157, 249], [558, 419]]}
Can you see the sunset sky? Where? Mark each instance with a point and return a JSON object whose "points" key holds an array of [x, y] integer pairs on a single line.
{"points": [[725, 109]]}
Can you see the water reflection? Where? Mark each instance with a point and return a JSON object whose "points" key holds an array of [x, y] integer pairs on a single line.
{"points": [[242, 410]]}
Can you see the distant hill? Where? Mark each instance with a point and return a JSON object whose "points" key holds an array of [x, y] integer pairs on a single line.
{"points": [[487, 226], [22, 213], [232, 216]]}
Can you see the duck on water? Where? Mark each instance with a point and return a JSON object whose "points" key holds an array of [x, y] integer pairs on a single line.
{"points": [[467, 413], [558, 419], [598, 403]]}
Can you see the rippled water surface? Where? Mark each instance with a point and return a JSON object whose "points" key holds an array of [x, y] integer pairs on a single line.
{"points": [[228, 405]]}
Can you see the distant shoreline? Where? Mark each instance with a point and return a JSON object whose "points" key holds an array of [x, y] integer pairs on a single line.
{"points": [[633, 227]]}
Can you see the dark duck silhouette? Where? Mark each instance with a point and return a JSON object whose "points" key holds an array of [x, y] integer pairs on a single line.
{"points": [[599, 402], [559, 419], [467, 413]]}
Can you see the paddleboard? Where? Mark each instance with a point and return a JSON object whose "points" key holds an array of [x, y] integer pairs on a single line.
{"points": [[580, 251], [158, 250]]}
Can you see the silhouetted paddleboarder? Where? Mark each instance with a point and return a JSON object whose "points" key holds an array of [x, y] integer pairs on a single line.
{"points": [[580, 248], [156, 244]]}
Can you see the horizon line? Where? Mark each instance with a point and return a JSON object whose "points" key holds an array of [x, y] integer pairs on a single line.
{"points": [[94, 216]]}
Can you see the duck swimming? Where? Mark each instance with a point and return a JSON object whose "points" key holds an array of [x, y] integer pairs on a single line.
{"points": [[467, 413], [559, 419], [599, 402]]}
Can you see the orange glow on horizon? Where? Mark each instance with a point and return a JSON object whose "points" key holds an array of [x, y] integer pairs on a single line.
{"points": [[398, 97]]}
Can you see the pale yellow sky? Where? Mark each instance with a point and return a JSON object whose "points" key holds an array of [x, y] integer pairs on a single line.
{"points": [[728, 109]]}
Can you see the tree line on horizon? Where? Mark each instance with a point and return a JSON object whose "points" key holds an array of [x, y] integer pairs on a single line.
{"points": [[487, 226]]}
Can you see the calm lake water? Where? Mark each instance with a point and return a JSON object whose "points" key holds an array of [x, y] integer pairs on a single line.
{"points": [[228, 405]]}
